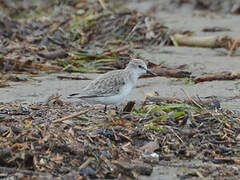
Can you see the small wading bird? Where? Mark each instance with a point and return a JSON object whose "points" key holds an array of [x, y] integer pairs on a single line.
{"points": [[114, 86]]}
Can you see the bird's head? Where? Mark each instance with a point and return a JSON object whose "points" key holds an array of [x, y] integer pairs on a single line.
{"points": [[139, 67]]}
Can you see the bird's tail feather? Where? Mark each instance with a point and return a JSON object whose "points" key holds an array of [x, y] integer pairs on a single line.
{"points": [[77, 95], [72, 95]]}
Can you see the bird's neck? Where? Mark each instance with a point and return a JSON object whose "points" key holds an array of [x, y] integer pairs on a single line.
{"points": [[133, 75]]}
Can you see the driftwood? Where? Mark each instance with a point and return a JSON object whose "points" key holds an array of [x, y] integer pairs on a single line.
{"points": [[8, 170], [167, 72], [210, 102], [54, 54], [73, 77], [221, 41], [29, 64], [216, 29], [217, 76]]}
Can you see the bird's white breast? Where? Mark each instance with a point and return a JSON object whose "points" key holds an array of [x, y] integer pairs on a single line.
{"points": [[117, 99]]}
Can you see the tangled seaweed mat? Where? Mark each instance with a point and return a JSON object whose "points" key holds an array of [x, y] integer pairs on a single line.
{"points": [[34, 143]]}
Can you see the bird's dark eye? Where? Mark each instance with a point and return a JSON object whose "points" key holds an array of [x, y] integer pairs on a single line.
{"points": [[140, 66]]}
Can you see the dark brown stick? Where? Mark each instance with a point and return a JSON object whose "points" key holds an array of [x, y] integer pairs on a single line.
{"points": [[25, 172], [217, 76], [167, 72]]}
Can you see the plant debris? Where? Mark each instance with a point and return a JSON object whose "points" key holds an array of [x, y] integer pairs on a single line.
{"points": [[217, 76], [230, 6], [56, 138], [73, 42], [221, 41], [167, 72], [73, 77], [215, 29]]}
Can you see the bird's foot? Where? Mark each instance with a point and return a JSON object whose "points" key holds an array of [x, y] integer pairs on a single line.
{"points": [[105, 109]]}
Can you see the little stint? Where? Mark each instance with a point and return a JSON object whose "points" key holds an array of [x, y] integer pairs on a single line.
{"points": [[114, 86]]}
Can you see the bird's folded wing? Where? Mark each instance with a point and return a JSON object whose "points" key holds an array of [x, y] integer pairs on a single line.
{"points": [[104, 87], [103, 91]]}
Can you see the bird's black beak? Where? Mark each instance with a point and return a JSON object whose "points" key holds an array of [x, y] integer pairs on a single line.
{"points": [[150, 72]]}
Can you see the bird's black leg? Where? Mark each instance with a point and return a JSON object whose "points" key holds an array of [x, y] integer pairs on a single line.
{"points": [[117, 110], [105, 109]]}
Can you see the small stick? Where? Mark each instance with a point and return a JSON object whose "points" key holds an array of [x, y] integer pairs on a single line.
{"points": [[192, 100], [102, 4], [234, 46], [72, 115], [133, 29], [176, 135], [25, 172], [86, 163], [199, 174], [83, 36], [125, 136], [114, 133], [110, 118], [73, 77]]}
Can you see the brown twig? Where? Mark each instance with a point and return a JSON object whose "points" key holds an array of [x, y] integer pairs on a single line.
{"points": [[86, 163], [28, 64], [73, 115], [191, 99], [170, 128], [73, 78], [234, 46], [102, 4], [217, 76], [25, 172], [167, 72]]}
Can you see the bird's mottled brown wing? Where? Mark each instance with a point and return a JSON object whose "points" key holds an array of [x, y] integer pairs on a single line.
{"points": [[108, 84]]}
